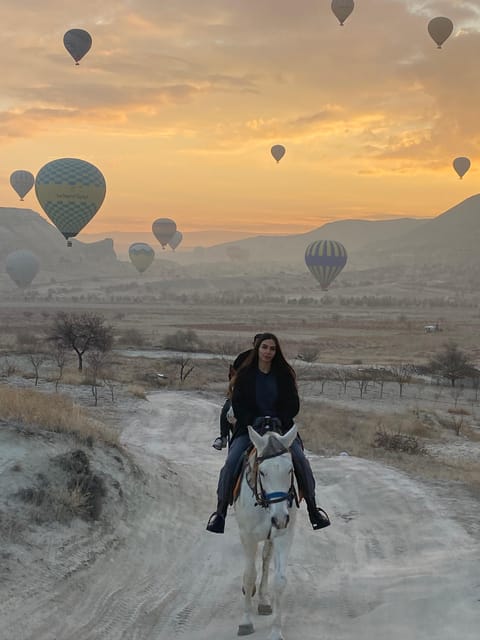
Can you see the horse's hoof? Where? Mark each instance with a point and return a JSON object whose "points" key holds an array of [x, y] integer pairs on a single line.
{"points": [[245, 629], [264, 609], [254, 590]]}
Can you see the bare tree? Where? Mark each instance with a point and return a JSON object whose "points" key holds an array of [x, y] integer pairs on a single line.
{"points": [[456, 393], [402, 375], [37, 359], [323, 376], [476, 382], [81, 332], [7, 368], [342, 375], [59, 356], [185, 365], [379, 376], [362, 378], [451, 363], [96, 360], [110, 382]]}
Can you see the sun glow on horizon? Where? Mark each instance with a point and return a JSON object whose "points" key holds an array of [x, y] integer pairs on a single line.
{"points": [[179, 106]]}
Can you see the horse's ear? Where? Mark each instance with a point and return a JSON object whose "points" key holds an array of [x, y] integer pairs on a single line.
{"points": [[257, 440], [288, 437]]}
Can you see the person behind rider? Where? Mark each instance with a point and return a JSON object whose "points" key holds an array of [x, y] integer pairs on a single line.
{"points": [[225, 418], [265, 385]]}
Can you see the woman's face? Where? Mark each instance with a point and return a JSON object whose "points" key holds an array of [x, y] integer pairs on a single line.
{"points": [[267, 351]]}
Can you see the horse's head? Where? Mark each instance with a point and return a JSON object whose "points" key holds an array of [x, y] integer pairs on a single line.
{"points": [[274, 478]]}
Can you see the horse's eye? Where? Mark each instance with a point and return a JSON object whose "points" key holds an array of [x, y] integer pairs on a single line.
{"points": [[262, 474]]}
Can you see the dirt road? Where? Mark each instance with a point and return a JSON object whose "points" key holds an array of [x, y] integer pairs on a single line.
{"points": [[394, 564]]}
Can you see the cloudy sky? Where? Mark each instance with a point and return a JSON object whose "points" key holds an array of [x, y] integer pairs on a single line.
{"points": [[178, 104]]}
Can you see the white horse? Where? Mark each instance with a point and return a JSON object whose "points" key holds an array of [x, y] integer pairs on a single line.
{"points": [[266, 511]]}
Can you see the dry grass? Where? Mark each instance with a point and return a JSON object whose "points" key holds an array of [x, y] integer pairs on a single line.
{"points": [[70, 503], [53, 412], [10, 527], [330, 430], [73, 377], [60, 504]]}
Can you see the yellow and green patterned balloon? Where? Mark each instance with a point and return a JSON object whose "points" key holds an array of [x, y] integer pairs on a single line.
{"points": [[141, 255], [70, 191]]}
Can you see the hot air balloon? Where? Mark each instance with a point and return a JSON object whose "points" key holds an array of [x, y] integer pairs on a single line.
{"points": [[278, 151], [342, 9], [176, 239], [77, 42], [440, 29], [141, 255], [70, 192], [461, 166], [22, 182], [164, 229], [325, 259], [22, 267]]}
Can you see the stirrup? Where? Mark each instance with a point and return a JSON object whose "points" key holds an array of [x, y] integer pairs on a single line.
{"points": [[319, 519], [216, 523]]}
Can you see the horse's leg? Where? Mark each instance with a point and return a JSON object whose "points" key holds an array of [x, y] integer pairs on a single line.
{"points": [[280, 555], [264, 606], [248, 588]]}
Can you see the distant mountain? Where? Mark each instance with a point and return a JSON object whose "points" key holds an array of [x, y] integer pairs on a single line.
{"points": [[123, 239], [453, 236], [355, 235]]}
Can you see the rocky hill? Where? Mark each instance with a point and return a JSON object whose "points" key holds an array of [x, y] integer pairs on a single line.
{"points": [[26, 229]]}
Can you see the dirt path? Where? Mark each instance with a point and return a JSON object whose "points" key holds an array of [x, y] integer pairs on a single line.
{"points": [[392, 565]]}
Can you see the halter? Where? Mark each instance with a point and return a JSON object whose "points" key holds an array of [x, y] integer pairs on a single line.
{"points": [[264, 499]]}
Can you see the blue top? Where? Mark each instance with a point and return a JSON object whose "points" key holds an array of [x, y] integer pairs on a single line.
{"points": [[266, 391]]}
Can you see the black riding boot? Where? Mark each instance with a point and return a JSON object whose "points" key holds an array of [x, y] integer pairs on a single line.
{"points": [[318, 517], [216, 522]]}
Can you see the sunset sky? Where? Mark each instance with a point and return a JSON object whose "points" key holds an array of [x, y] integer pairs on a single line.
{"points": [[178, 104]]}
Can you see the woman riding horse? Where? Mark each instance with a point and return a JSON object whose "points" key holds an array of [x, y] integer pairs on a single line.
{"points": [[265, 385]]}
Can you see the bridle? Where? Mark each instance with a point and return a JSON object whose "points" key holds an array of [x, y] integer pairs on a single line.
{"points": [[264, 499]]}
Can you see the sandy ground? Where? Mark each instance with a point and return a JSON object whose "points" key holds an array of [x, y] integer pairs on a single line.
{"points": [[395, 563]]}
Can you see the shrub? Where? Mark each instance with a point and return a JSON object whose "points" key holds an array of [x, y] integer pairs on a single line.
{"points": [[181, 340], [132, 337], [398, 442]]}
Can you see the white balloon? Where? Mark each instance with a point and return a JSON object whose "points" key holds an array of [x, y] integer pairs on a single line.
{"points": [[22, 266]]}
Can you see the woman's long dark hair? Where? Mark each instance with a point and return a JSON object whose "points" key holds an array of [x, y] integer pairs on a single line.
{"points": [[279, 365]]}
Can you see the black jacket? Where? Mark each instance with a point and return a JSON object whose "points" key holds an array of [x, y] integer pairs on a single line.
{"points": [[244, 402]]}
